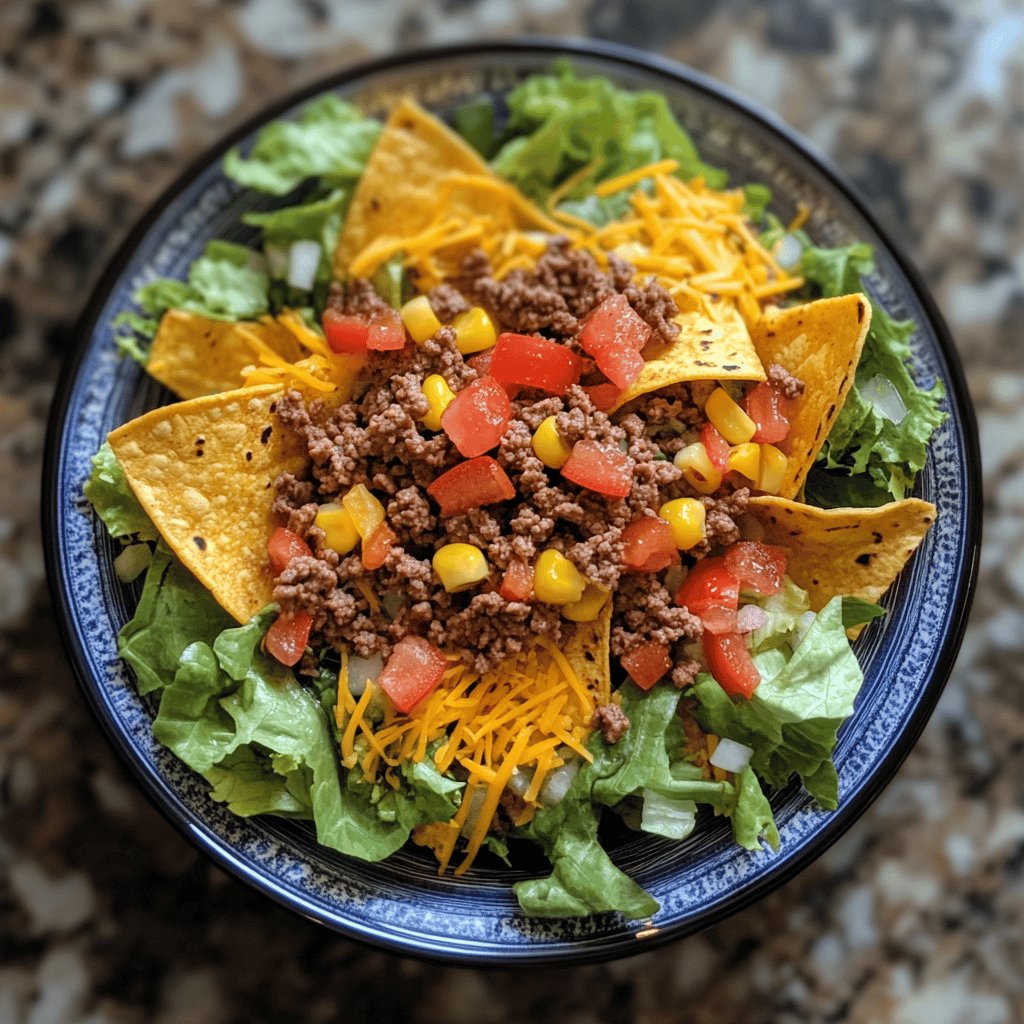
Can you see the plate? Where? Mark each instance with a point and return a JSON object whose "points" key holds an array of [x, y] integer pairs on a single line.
{"points": [[402, 904]]}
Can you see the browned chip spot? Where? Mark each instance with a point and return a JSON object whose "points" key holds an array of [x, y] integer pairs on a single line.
{"points": [[864, 559], [265, 436], [199, 543]]}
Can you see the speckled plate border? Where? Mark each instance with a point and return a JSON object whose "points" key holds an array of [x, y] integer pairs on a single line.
{"points": [[401, 905]]}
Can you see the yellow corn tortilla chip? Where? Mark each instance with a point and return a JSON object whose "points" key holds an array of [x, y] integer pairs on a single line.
{"points": [[819, 342], [854, 552], [412, 176], [587, 651], [194, 355], [204, 470], [704, 350]]}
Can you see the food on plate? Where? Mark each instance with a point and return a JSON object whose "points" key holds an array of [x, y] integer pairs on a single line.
{"points": [[485, 505]]}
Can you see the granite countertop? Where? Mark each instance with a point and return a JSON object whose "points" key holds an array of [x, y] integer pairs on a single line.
{"points": [[107, 915]]}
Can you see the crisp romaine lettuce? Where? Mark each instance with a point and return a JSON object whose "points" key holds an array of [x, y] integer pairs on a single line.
{"points": [[331, 141], [113, 499], [752, 818], [857, 611]]}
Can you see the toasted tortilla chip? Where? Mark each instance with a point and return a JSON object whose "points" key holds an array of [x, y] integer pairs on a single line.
{"points": [[194, 355], [587, 651], [204, 471], [416, 176], [819, 342], [852, 552], [705, 350]]}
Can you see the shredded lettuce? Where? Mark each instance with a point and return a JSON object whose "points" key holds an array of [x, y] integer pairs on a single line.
{"points": [[113, 499]]}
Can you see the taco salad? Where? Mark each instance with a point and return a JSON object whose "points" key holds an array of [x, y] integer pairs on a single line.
{"points": [[524, 476]]}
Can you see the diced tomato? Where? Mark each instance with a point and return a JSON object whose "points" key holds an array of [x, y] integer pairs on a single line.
{"points": [[599, 468], [377, 546], [719, 620], [647, 663], [759, 567], [386, 333], [614, 335], [730, 663], [470, 484], [604, 396], [347, 334], [535, 363], [477, 416], [283, 546], [710, 584], [287, 637], [716, 446], [771, 411], [412, 672], [481, 362], [517, 583], [647, 545]]}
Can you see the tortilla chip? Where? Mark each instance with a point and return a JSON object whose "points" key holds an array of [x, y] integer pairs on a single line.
{"points": [[852, 552], [204, 471], [194, 355], [587, 651], [819, 342], [704, 350], [411, 180]]}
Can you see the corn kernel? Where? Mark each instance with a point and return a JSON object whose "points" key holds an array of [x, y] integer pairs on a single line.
{"points": [[729, 419], [340, 531], [460, 566], [548, 445], [685, 516], [439, 396], [698, 470], [746, 459], [474, 331], [556, 580], [366, 511], [772, 469], [420, 319], [589, 606]]}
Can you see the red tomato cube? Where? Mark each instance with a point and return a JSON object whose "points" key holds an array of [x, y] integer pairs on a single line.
{"points": [[614, 334], [386, 333], [283, 546], [710, 584], [647, 545], [647, 663], [377, 546], [534, 363], [517, 583], [287, 637], [730, 663], [479, 481], [719, 620], [412, 673], [771, 412], [716, 446], [599, 468], [345, 334], [604, 396], [758, 567], [477, 417]]}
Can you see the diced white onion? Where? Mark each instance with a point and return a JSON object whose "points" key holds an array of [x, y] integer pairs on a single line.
{"points": [[788, 251], [731, 756], [803, 625], [303, 260], [520, 781], [277, 260], [557, 783], [665, 816], [360, 670], [132, 561], [882, 394], [751, 617]]}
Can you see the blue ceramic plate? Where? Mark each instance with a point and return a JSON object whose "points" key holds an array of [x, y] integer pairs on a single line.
{"points": [[402, 904]]}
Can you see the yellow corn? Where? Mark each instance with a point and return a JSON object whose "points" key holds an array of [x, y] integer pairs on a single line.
{"points": [[589, 606], [460, 566], [685, 516], [440, 396], [746, 459], [474, 331], [366, 511], [730, 420], [698, 470], [556, 580], [549, 446], [420, 320], [772, 469], [339, 529]]}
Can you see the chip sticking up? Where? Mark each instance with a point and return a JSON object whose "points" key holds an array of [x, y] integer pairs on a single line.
{"points": [[820, 343], [851, 552]]}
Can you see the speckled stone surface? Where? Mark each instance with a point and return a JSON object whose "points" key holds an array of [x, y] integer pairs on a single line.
{"points": [[107, 915]]}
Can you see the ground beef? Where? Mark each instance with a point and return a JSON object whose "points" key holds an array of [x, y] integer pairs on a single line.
{"points": [[356, 298], [656, 307], [784, 382], [612, 722], [645, 611], [721, 519], [685, 672], [447, 302]]}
